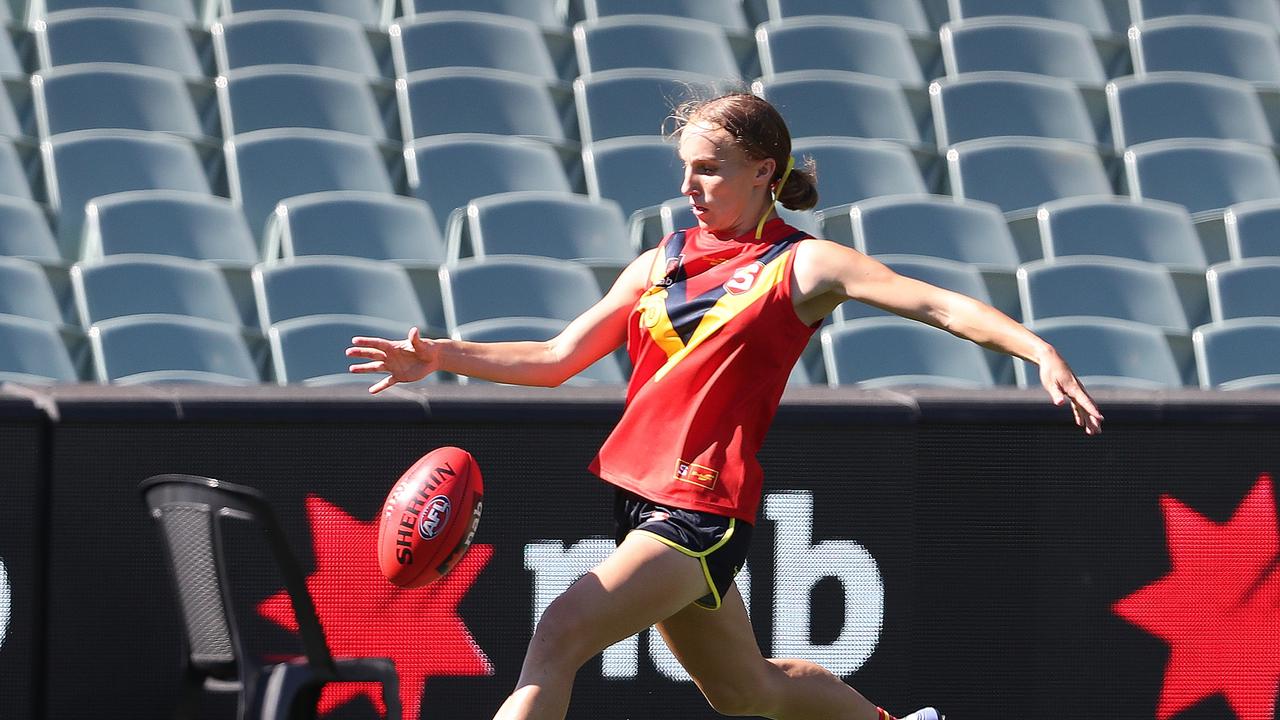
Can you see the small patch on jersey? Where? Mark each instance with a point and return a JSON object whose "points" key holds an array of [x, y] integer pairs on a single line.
{"points": [[743, 278], [696, 474]]}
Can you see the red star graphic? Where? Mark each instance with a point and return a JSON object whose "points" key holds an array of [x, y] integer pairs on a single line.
{"points": [[1218, 608], [363, 615]]}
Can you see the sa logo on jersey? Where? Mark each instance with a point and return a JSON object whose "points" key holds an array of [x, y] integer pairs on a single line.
{"points": [[743, 278]]}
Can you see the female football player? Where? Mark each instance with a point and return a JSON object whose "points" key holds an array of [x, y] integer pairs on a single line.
{"points": [[714, 318]]}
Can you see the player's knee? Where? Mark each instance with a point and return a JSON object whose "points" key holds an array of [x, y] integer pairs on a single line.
{"points": [[559, 638], [739, 697]]}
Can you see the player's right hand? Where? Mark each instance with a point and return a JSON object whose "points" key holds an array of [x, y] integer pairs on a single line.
{"points": [[406, 360]]}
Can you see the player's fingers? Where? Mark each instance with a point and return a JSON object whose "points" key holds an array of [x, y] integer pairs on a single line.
{"points": [[369, 367], [382, 344], [1086, 402], [362, 352], [382, 384]]}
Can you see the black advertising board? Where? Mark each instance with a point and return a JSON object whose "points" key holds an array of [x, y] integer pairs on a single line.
{"points": [[22, 484], [994, 562]]}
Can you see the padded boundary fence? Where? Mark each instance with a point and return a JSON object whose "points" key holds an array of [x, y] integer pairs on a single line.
{"points": [[963, 549]]}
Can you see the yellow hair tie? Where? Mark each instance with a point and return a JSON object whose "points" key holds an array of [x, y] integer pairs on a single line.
{"points": [[777, 192]]}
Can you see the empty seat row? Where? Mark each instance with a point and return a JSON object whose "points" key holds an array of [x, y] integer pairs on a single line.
{"points": [[815, 102], [263, 167], [733, 15], [1228, 46], [269, 166]]}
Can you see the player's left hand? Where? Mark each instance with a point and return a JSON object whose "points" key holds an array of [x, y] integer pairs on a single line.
{"points": [[1065, 387]]}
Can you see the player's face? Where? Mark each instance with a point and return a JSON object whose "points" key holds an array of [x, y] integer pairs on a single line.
{"points": [[728, 190]]}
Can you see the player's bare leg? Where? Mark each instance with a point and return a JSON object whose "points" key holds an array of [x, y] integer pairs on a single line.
{"points": [[642, 582], [719, 649]]}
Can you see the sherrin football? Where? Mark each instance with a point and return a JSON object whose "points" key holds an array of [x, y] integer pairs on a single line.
{"points": [[430, 517]]}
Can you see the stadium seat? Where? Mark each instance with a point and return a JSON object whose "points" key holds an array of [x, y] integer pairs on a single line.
{"points": [[1222, 46], [432, 41], [617, 103], [149, 349], [854, 169], [1202, 175], [13, 121], [1253, 229], [605, 370], [181, 10], [11, 65], [323, 285], [370, 13], [114, 95], [81, 165], [909, 14], [292, 37], [635, 172], [1107, 353], [168, 222], [1018, 174], [839, 103], [990, 104], [895, 352], [1244, 288], [368, 225], [1264, 12], [966, 231], [221, 539], [123, 285], [135, 37], [1091, 14], [858, 45], [728, 14], [1022, 44], [477, 100], [376, 226], [541, 12], [275, 96], [13, 174], [1101, 286], [181, 224], [32, 352], [515, 286], [1240, 354], [447, 171], [1148, 230], [25, 233], [266, 166], [1159, 106], [548, 224], [25, 292], [308, 350], [654, 41]]}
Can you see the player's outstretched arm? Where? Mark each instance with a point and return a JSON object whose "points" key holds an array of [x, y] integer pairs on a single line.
{"points": [[828, 274], [589, 337]]}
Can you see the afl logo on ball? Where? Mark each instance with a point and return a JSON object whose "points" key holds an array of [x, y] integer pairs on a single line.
{"points": [[434, 517]]}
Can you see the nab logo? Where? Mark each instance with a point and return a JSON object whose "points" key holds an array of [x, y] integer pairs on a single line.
{"points": [[669, 272], [743, 278], [434, 517], [4, 602]]}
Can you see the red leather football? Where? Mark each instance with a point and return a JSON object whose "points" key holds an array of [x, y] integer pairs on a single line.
{"points": [[430, 517]]}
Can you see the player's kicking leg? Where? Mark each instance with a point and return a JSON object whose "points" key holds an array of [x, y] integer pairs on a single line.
{"points": [[718, 648]]}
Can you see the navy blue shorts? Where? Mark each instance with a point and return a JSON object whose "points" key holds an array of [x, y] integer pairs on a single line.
{"points": [[719, 543]]}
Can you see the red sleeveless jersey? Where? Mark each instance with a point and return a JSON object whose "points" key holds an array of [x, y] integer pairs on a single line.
{"points": [[713, 340]]}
